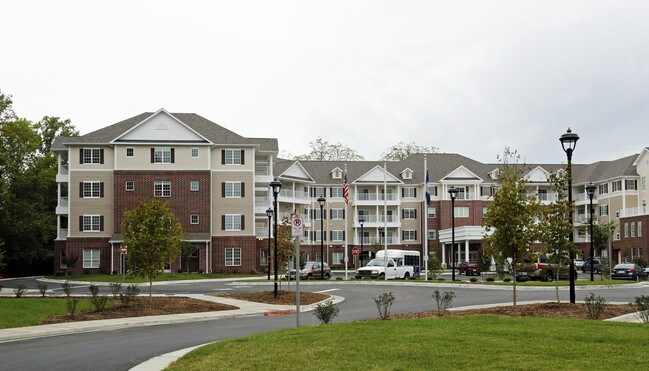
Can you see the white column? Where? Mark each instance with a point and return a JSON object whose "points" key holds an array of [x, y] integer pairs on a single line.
{"points": [[466, 250], [444, 255]]}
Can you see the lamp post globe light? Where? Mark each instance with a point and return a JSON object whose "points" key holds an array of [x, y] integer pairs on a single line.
{"points": [[321, 201], [590, 189], [276, 185], [270, 213], [453, 193], [361, 220], [568, 143]]}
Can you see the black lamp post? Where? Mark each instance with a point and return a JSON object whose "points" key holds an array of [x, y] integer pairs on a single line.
{"points": [[321, 201], [270, 213], [453, 193], [590, 189], [568, 143], [276, 185], [361, 220]]}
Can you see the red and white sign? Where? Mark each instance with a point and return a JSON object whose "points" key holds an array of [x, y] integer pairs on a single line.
{"points": [[355, 251], [123, 250], [297, 227]]}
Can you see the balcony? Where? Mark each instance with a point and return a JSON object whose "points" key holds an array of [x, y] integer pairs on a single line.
{"points": [[291, 196], [376, 199], [63, 175], [63, 207], [633, 211], [262, 174], [62, 234], [373, 221], [369, 241]]}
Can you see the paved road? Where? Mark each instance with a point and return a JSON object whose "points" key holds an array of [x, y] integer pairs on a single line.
{"points": [[123, 349]]}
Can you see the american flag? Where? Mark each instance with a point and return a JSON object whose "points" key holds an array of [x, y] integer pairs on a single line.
{"points": [[345, 189]]}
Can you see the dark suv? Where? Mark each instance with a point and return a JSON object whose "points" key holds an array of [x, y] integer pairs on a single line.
{"points": [[597, 266]]}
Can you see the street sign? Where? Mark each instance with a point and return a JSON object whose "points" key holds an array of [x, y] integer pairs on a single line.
{"points": [[297, 227], [124, 250], [355, 251]]}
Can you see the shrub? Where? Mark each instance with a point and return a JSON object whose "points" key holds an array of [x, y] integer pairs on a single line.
{"points": [[490, 279], [42, 287], [0, 288], [66, 288], [595, 306], [441, 279], [114, 272], [326, 312], [642, 307], [179, 270], [129, 295], [59, 273], [71, 305], [339, 278], [507, 279], [473, 279], [200, 271], [443, 300], [98, 301], [383, 304], [253, 271], [20, 290], [115, 289]]}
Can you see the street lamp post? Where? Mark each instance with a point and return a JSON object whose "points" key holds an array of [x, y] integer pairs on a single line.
{"points": [[568, 143], [361, 220], [276, 185], [270, 213], [321, 201], [453, 193], [590, 189]]}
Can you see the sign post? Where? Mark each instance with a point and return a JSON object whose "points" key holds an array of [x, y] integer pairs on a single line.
{"points": [[297, 231], [123, 251]]}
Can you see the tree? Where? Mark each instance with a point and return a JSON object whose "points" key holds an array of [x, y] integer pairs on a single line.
{"points": [[50, 127], [152, 234], [555, 225], [285, 244], [186, 251], [402, 150], [510, 219], [321, 150]]}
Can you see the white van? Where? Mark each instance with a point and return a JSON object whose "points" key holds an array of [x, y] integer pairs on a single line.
{"points": [[400, 264]]}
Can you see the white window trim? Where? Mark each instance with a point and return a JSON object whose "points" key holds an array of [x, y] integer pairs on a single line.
{"points": [[191, 219], [233, 156], [89, 227], [409, 192], [92, 156], [231, 258], [409, 235], [93, 262], [197, 152], [232, 221], [160, 155], [132, 184], [337, 235], [92, 189], [162, 192], [231, 191], [409, 213], [337, 214], [132, 152], [192, 184]]}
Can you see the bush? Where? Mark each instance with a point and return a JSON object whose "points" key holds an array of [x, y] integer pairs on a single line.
{"points": [[473, 279], [129, 295], [443, 300], [200, 271], [326, 312], [490, 279], [115, 289], [98, 301], [179, 270], [20, 290], [642, 307], [507, 279], [42, 288], [114, 272], [595, 305], [383, 304], [66, 288], [253, 271], [441, 279], [71, 305]]}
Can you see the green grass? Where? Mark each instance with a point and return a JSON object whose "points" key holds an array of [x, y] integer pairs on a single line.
{"points": [[19, 312], [159, 278], [455, 343]]}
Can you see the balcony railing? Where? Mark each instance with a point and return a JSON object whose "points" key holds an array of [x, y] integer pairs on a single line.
{"points": [[376, 197], [633, 211], [368, 219]]}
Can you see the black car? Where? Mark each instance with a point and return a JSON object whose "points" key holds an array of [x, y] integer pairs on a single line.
{"points": [[627, 271], [597, 266]]}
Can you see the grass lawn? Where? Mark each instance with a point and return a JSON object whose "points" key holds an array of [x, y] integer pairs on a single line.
{"points": [[159, 278], [458, 343], [19, 312]]}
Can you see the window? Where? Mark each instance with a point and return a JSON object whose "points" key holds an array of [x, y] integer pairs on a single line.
{"points": [[407, 174], [92, 156], [319, 192], [129, 152], [162, 189], [639, 229], [263, 257], [92, 190], [432, 190], [317, 215], [643, 183], [337, 235], [337, 174], [194, 219], [233, 222], [336, 192], [338, 214], [463, 193], [631, 184], [603, 210], [90, 258], [632, 229], [194, 152], [337, 257], [409, 192], [484, 212], [233, 157], [318, 256], [193, 186], [603, 188], [486, 191], [232, 189], [617, 186], [91, 223], [626, 230], [233, 257], [432, 234], [317, 236], [162, 155], [409, 213], [409, 235], [130, 185], [432, 212], [461, 211], [543, 195]]}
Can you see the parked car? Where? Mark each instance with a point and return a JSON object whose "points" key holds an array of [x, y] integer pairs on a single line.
{"points": [[311, 270], [597, 266], [628, 271], [579, 263], [469, 268]]}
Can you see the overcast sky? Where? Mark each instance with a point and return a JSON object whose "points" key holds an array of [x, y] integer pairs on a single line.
{"points": [[468, 77]]}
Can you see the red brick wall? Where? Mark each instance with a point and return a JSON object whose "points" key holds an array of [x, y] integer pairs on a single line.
{"points": [[183, 201], [75, 246], [249, 253]]}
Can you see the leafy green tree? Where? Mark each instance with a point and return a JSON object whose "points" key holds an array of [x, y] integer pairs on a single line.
{"points": [[555, 226], [285, 244], [186, 251], [321, 150], [510, 219], [402, 150], [152, 234]]}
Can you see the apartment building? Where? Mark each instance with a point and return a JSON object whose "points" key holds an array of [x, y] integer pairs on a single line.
{"points": [[218, 185]]}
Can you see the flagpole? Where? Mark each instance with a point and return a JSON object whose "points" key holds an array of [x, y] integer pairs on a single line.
{"points": [[424, 216], [385, 218], [346, 198]]}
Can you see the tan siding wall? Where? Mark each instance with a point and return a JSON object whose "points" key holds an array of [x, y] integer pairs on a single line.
{"points": [[74, 164], [243, 206], [91, 206], [142, 158], [248, 158]]}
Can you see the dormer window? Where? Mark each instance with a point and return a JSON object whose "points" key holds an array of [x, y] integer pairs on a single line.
{"points": [[494, 174], [337, 174], [406, 174]]}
